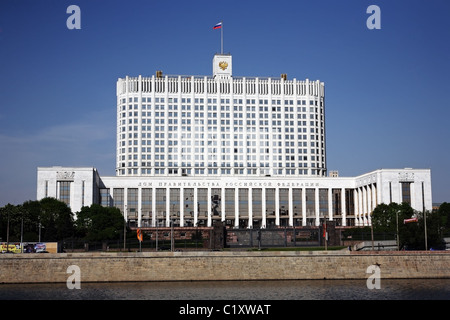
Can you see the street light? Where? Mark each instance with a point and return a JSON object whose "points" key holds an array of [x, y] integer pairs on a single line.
{"points": [[398, 240], [21, 235], [157, 224], [125, 228], [7, 235], [371, 227], [425, 226], [171, 236]]}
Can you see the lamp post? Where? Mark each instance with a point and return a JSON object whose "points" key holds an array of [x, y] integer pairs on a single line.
{"points": [[21, 235], [371, 227], [259, 239], [425, 226], [171, 236], [7, 234], [157, 223], [398, 240], [125, 228]]}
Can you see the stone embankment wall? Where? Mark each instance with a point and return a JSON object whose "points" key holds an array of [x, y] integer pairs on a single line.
{"points": [[237, 265]]}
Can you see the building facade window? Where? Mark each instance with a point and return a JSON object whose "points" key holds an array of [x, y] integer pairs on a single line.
{"points": [[64, 192], [160, 201], [118, 199], [310, 206], [216, 203], [132, 204], [229, 206], [175, 205], [146, 207], [297, 206], [105, 198], [406, 192]]}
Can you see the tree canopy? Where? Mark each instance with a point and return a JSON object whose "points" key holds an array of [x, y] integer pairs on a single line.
{"points": [[52, 220], [99, 223], [387, 218]]}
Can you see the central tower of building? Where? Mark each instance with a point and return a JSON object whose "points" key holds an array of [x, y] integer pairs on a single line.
{"points": [[173, 125]]}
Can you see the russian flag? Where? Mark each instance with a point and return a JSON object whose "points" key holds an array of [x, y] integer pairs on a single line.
{"points": [[218, 26]]}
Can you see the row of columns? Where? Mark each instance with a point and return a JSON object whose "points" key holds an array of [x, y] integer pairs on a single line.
{"points": [[363, 201], [366, 200]]}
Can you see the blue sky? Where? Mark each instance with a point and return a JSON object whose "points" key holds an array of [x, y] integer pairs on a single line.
{"points": [[386, 90]]}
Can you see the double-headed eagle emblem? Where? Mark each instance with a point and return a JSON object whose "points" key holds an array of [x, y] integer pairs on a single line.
{"points": [[223, 65]]}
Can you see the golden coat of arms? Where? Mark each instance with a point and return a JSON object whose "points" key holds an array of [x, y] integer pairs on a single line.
{"points": [[223, 65]]}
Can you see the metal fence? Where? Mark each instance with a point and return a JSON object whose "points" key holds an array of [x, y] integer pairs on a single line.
{"points": [[234, 238], [287, 237], [78, 245]]}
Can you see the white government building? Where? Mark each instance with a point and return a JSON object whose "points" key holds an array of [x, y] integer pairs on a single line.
{"points": [[247, 151]]}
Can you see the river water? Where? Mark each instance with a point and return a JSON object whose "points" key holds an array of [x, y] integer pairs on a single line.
{"points": [[412, 289]]}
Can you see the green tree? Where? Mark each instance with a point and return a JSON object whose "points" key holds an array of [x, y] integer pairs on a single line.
{"points": [[411, 235], [56, 219], [384, 217], [444, 213], [389, 218], [97, 223], [20, 223], [32, 212], [408, 232], [435, 229], [10, 223]]}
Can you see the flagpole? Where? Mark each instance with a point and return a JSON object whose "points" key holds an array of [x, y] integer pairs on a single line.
{"points": [[221, 38]]}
